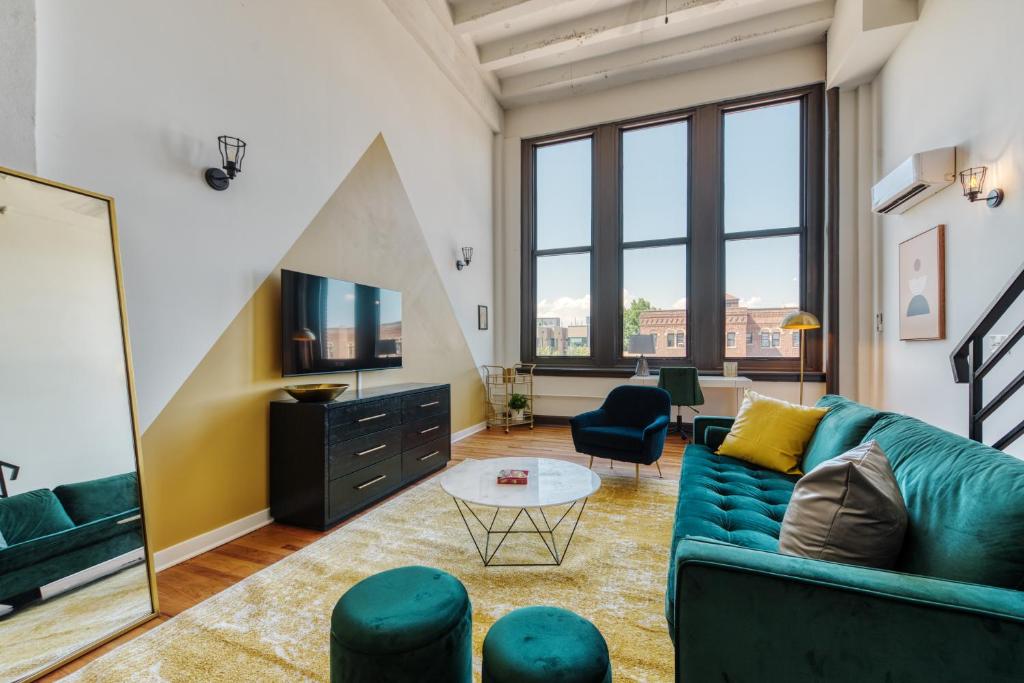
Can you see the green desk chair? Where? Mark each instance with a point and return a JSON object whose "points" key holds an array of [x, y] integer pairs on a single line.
{"points": [[683, 386]]}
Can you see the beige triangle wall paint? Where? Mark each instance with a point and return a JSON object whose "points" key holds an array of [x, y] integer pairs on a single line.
{"points": [[205, 456]]}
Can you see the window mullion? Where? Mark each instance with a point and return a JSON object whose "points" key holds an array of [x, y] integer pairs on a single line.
{"points": [[647, 244], [706, 292], [606, 274]]}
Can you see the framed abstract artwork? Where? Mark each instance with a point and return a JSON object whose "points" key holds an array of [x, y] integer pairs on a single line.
{"points": [[922, 283]]}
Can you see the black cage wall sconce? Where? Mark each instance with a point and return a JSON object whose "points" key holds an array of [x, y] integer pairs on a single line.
{"points": [[467, 256], [232, 150], [973, 182]]}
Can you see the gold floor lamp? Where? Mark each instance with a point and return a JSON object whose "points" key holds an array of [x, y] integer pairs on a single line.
{"points": [[803, 321]]}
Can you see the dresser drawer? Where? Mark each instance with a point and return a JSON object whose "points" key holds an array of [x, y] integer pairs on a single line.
{"points": [[425, 404], [362, 487], [421, 431], [426, 458], [348, 422], [349, 456]]}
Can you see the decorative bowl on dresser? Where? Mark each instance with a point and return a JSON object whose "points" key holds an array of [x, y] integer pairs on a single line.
{"points": [[330, 460], [315, 393]]}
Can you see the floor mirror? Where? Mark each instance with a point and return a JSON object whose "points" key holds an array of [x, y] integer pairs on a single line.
{"points": [[75, 570]]}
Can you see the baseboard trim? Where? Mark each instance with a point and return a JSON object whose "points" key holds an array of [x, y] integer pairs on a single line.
{"points": [[90, 574], [186, 550], [551, 419], [468, 431]]}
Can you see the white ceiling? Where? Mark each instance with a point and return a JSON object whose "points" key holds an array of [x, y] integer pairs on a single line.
{"points": [[532, 50]]}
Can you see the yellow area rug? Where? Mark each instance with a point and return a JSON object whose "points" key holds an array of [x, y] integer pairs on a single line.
{"points": [[275, 625], [36, 636]]}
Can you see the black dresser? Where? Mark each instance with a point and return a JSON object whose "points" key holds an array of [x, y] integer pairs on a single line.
{"points": [[331, 460]]}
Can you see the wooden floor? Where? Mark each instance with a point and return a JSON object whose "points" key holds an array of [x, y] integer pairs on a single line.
{"points": [[195, 580]]}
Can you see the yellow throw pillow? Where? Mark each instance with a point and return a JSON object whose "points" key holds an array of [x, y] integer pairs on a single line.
{"points": [[771, 433]]}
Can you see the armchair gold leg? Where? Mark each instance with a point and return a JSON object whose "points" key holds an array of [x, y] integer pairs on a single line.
{"points": [[658, 465], [591, 465], [638, 475]]}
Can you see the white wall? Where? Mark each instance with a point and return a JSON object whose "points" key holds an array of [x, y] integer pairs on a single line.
{"points": [[131, 97], [953, 81], [791, 68], [18, 85]]}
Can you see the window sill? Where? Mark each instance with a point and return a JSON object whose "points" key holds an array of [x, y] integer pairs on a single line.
{"points": [[625, 373], [570, 371]]}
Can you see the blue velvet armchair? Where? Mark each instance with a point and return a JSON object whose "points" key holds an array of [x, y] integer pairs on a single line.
{"points": [[630, 427]]}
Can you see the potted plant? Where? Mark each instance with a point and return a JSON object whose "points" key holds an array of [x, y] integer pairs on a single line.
{"points": [[517, 403]]}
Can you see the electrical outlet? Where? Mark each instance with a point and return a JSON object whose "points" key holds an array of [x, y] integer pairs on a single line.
{"points": [[878, 322]]}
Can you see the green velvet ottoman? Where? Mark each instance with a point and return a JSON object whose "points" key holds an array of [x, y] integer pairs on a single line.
{"points": [[545, 645], [405, 624]]}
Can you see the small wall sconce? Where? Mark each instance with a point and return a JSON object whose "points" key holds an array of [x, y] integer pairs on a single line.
{"points": [[232, 150], [973, 181], [467, 256]]}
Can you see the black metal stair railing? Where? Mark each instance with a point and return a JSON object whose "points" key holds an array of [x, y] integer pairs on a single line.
{"points": [[970, 366]]}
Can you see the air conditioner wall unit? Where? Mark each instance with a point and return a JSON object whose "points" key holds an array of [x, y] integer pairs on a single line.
{"points": [[913, 181]]}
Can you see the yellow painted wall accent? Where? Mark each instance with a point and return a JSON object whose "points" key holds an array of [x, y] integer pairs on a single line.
{"points": [[206, 454]]}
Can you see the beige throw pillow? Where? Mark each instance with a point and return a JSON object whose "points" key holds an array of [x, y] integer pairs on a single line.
{"points": [[848, 509]]}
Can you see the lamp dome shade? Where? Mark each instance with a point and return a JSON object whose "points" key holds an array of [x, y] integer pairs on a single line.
{"points": [[800, 320]]}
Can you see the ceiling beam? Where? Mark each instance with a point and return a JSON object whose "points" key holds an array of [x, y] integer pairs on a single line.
{"points": [[475, 15], [628, 20], [781, 30], [429, 29]]}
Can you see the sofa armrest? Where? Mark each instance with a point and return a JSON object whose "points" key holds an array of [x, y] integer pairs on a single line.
{"points": [[743, 614], [714, 437], [702, 422], [592, 418]]}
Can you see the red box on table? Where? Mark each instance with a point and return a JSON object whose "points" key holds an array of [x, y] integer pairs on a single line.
{"points": [[517, 477]]}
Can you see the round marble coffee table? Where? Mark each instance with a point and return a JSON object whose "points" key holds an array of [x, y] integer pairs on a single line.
{"points": [[551, 483]]}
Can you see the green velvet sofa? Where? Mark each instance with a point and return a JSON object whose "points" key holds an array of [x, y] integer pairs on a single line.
{"points": [[951, 610], [50, 535]]}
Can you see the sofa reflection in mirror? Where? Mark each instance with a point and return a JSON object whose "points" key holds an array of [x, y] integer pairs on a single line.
{"points": [[55, 541]]}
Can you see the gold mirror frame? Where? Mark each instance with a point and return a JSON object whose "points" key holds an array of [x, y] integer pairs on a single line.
{"points": [[136, 436]]}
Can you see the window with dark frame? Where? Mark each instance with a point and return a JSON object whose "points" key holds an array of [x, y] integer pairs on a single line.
{"points": [[707, 221], [563, 190]]}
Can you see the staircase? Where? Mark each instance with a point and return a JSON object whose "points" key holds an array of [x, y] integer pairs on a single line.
{"points": [[970, 366]]}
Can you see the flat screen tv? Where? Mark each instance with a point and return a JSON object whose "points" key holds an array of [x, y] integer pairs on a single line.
{"points": [[337, 326]]}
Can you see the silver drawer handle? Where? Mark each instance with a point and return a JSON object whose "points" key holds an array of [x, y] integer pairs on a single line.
{"points": [[128, 520], [428, 456], [372, 450], [371, 482], [427, 405], [372, 417], [430, 429]]}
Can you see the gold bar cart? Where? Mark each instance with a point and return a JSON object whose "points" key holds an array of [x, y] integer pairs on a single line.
{"points": [[504, 383]]}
